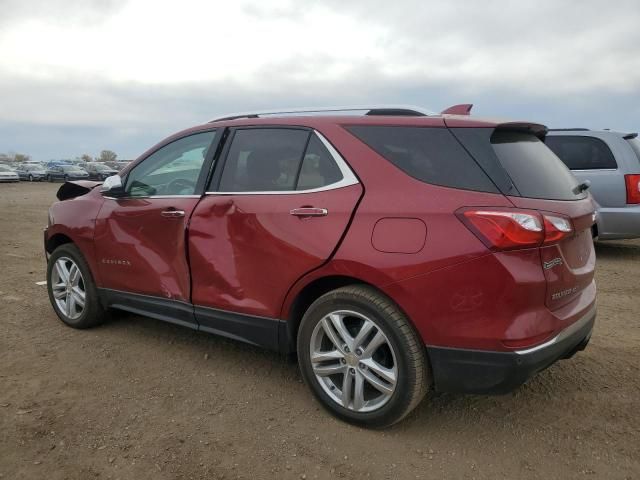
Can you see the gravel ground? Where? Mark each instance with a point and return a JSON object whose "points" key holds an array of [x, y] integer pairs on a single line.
{"points": [[137, 398]]}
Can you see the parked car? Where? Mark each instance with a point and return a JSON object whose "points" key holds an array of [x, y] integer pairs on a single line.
{"points": [[112, 164], [32, 172], [610, 161], [56, 163], [8, 174], [99, 171], [66, 172], [396, 252]]}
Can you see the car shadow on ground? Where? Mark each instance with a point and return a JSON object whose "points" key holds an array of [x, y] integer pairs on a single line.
{"points": [[552, 389], [617, 249]]}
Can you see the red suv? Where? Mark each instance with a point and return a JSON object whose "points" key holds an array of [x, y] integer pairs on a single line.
{"points": [[395, 252]]}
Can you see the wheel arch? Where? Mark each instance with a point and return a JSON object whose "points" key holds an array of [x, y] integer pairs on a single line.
{"points": [[57, 240], [309, 294]]}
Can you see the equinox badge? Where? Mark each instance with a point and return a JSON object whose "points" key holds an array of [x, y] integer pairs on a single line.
{"points": [[552, 263]]}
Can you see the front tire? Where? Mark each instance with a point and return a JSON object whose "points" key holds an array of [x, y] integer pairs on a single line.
{"points": [[72, 290], [31, 178], [361, 357]]}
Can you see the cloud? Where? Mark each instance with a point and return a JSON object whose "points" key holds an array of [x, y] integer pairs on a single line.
{"points": [[142, 65]]}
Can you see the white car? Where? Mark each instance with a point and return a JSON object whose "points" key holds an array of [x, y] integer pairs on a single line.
{"points": [[8, 175]]}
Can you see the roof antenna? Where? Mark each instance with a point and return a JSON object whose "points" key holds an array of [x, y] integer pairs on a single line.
{"points": [[461, 109]]}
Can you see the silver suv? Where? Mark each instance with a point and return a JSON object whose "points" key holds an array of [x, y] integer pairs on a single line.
{"points": [[611, 162]]}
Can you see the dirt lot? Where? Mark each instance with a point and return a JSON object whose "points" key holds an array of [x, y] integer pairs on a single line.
{"points": [[137, 398]]}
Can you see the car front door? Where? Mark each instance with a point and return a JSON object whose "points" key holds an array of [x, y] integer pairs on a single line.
{"points": [[140, 238], [276, 210]]}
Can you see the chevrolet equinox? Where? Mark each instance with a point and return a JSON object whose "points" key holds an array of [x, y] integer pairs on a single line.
{"points": [[396, 252]]}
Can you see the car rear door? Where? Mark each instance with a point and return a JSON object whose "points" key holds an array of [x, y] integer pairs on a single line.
{"points": [[140, 238], [276, 208]]}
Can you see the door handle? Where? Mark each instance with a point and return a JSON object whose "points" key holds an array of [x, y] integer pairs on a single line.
{"points": [[309, 212], [172, 213]]}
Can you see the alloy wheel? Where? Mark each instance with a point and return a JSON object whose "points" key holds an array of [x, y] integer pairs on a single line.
{"points": [[68, 287], [353, 361]]}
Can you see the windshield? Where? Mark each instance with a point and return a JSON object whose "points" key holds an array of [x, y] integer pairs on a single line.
{"points": [[4, 168], [102, 168]]}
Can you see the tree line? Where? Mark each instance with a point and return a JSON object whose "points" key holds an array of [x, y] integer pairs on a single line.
{"points": [[104, 156]]}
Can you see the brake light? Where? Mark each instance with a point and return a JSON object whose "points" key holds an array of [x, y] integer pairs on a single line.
{"points": [[633, 188], [513, 229]]}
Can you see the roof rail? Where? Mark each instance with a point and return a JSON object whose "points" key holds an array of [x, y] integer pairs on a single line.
{"points": [[579, 129], [395, 110]]}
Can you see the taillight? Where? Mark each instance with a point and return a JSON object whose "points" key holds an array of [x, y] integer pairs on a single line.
{"points": [[633, 188], [513, 229], [556, 228]]}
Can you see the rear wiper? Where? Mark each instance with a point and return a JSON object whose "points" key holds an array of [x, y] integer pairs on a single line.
{"points": [[581, 187]]}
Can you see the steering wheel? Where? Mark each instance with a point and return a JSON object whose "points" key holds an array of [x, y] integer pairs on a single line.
{"points": [[175, 187]]}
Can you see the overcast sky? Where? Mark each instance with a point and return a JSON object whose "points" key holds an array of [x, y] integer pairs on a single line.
{"points": [[79, 76]]}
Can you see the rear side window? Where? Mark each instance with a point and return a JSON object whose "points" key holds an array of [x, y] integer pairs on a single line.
{"points": [[318, 167], [534, 169], [581, 152], [432, 155], [277, 159], [263, 160]]}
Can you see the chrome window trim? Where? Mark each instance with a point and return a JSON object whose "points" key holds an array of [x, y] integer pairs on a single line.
{"points": [[348, 177]]}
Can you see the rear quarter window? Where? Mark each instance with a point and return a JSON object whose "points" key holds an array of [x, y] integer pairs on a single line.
{"points": [[431, 155], [635, 146], [582, 152]]}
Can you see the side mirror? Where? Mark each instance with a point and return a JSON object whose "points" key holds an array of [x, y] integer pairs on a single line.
{"points": [[112, 186]]}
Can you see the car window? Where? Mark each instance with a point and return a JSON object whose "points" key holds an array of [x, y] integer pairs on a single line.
{"points": [[635, 145], [263, 159], [318, 168], [535, 170], [172, 170], [581, 152], [432, 155]]}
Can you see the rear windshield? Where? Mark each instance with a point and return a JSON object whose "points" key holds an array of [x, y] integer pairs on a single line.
{"points": [[534, 169], [431, 155]]}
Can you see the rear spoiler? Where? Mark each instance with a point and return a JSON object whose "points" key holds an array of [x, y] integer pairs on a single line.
{"points": [[537, 129]]}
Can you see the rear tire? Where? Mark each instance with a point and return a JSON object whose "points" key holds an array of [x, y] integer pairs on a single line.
{"points": [[49, 178], [379, 373], [72, 290]]}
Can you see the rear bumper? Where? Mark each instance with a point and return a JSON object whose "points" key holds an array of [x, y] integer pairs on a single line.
{"points": [[618, 223], [490, 372]]}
